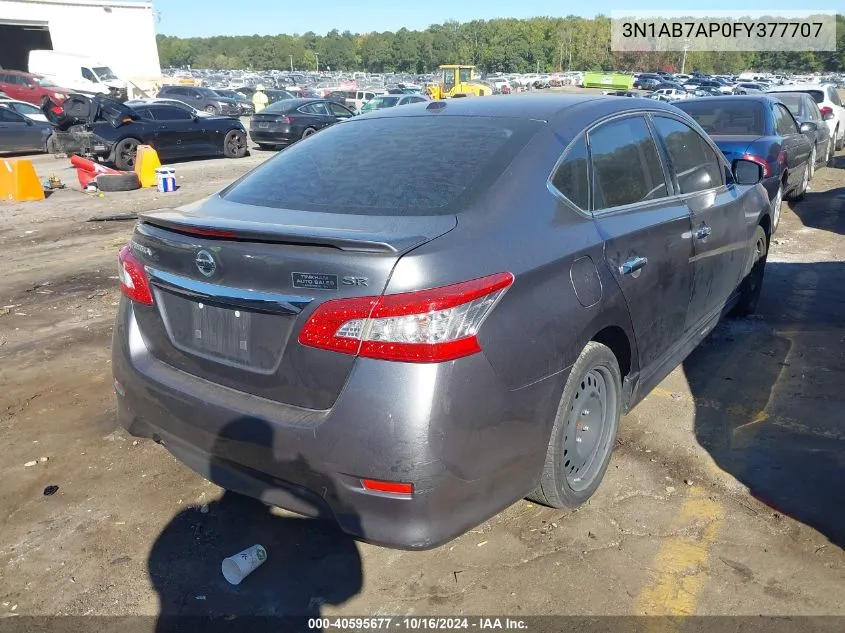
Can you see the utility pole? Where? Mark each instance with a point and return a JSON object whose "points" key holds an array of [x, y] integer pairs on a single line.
{"points": [[291, 62], [538, 66], [569, 67], [684, 58], [317, 57]]}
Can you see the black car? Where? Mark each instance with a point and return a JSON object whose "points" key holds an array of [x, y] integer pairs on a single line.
{"points": [[244, 103], [274, 96], [19, 133], [285, 122], [805, 110], [647, 81], [104, 128], [201, 98]]}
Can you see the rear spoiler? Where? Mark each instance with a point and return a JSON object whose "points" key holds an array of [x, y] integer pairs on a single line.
{"points": [[239, 230]]}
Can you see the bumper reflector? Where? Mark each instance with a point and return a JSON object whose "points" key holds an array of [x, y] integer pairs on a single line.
{"points": [[392, 487]]}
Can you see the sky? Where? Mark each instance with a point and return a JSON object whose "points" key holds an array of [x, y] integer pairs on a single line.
{"points": [[271, 17]]}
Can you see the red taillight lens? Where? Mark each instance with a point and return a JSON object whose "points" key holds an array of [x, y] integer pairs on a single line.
{"points": [[760, 161], [284, 119], [427, 326], [393, 487], [133, 279], [826, 110]]}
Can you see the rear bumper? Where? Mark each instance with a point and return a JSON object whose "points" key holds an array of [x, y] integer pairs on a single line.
{"points": [[470, 447], [272, 137]]}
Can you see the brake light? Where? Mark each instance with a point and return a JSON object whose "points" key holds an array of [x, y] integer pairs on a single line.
{"points": [[760, 161], [393, 487], [133, 278], [826, 110], [284, 119], [426, 326]]}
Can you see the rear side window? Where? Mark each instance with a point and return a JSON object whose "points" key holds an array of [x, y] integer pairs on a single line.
{"points": [[570, 178], [695, 164], [626, 166], [170, 113], [817, 95], [834, 96], [794, 101], [390, 175]]}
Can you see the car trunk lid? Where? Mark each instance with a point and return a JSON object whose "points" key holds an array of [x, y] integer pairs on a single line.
{"points": [[735, 146], [233, 284]]}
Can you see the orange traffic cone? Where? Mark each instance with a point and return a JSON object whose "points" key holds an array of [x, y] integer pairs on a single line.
{"points": [[19, 182]]}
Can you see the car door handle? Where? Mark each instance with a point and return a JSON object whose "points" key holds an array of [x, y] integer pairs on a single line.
{"points": [[633, 265], [703, 232], [162, 127]]}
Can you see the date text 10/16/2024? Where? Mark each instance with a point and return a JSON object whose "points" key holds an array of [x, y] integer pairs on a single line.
{"points": [[417, 624]]}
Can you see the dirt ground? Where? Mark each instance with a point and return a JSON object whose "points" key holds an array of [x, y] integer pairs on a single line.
{"points": [[725, 495]]}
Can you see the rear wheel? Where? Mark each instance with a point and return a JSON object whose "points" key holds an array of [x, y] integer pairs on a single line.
{"points": [[839, 140], [584, 430], [830, 153], [308, 132], [211, 109], [798, 194], [749, 289], [124, 154], [234, 145], [811, 166]]}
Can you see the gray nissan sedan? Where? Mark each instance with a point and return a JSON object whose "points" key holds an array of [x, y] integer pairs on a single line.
{"points": [[409, 341]]}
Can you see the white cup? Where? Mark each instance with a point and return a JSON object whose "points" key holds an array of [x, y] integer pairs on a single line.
{"points": [[237, 567]]}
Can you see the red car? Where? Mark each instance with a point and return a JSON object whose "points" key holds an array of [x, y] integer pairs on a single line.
{"points": [[25, 87]]}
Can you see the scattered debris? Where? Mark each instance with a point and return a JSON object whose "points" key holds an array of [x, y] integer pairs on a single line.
{"points": [[43, 459], [29, 464], [455, 574], [591, 535], [50, 490], [482, 544], [670, 489], [676, 396], [820, 548], [236, 568], [688, 482]]}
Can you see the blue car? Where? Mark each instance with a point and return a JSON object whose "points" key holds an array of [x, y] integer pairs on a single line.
{"points": [[761, 129]]}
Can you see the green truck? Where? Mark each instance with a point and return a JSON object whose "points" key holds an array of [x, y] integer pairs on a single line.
{"points": [[609, 81]]}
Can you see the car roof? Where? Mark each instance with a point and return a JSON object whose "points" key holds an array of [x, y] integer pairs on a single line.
{"points": [[802, 87], [19, 73], [524, 106], [761, 98]]}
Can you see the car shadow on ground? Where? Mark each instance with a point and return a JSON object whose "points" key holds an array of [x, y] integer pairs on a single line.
{"points": [[825, 210], [310, 562], [770, 391]]}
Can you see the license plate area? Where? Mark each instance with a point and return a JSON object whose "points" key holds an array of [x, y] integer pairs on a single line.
{"points": [[221, 332], [263, 126], [227, 335]]}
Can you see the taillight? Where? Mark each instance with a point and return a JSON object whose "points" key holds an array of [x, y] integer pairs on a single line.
{"points": [[425, 326], [133, 279], [760, 161], [826, 110], [284, 119]]}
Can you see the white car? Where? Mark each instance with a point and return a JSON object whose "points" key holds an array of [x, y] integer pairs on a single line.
{"points": [[672, 94], [827, 98], [26, 109]]}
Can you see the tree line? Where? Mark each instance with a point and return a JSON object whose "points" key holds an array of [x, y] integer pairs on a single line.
{"points": [[543, 44]]}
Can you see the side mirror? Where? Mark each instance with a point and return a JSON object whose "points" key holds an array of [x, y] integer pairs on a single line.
{"points": [[828, 116], [747, 172], [808, 127]]}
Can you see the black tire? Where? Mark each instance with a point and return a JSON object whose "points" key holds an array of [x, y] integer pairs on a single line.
{"points": [[211, 109], [798, 194], [308, 132], [235, 145], [595, 382], [124, 154], [752, 285], [118, 182], [831, 153], [838, 142], [52, 145], [265, 147]]}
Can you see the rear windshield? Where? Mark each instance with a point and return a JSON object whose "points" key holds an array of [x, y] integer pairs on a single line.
{"points": [[817, 95], [727, 117], [791, 100], [394, 170]]}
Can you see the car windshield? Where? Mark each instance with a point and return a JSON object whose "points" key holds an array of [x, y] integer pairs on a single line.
{"points": [[727, 117], [790, 100], [389, 175], [383, 102], [104, 73], [43, 81]]}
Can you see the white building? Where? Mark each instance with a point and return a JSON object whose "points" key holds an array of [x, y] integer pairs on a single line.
{"points": [[118, 34]]}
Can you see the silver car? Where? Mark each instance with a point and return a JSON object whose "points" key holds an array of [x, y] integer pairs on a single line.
{"points": [[409, 341]]}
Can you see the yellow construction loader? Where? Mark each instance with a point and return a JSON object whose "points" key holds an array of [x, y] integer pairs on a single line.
{"points": [[457, 81]]}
